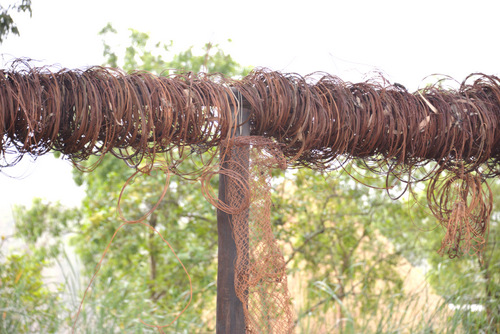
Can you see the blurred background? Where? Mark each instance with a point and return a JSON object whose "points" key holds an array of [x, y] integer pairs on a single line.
{"points": [[358, 262]]}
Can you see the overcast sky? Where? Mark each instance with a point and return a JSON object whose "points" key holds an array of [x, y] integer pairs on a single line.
{"points": [[405, 40]]}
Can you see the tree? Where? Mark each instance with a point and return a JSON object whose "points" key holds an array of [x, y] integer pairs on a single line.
{"points": [[142, 55], [184, 217], [335, 234], [471, 282], [7, 24], [349, 242], [26, 304], [331, 227], [156, 283], [468, 283]]}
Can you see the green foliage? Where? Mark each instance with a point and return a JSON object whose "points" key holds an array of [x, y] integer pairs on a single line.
{"points": [[7, 24], [330, 225], [155, 57], [26, 304], [139, 266], [56, 219], [466, 282], [184, 218], [344, 240], [469, 281], [348, 241]]}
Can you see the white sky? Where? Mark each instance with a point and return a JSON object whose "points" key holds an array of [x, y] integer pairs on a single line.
{"points": [[405, 40]]}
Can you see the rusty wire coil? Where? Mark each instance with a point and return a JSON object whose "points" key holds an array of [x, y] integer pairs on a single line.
{"points": [[99, 110], [318, 121]]}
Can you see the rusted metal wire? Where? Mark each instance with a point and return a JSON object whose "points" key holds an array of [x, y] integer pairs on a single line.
{"points": [[319, 121], [100, 110]]}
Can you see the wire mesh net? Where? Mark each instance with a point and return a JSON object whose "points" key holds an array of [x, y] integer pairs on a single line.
{"points": [[260, 269], [315, 121]]}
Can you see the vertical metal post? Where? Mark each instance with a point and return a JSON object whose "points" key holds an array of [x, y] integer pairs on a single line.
{"points": [[230, 317]]}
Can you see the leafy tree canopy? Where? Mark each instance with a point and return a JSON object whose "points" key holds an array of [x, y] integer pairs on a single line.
{"points": [[344, 243], [7, 24]]}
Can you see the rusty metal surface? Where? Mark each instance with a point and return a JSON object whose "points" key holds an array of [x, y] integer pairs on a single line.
{"points": [[100, 110], [318, 121]]}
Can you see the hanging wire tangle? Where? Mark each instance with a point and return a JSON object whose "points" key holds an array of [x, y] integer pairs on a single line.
{"points": [[317, 121]]}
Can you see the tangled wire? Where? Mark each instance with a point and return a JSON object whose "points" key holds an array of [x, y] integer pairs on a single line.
{"points": [[90, 112], [318, 121]]}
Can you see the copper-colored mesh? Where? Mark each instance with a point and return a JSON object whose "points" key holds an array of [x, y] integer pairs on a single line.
{"points": [[463, 204], [319, 121], [260, 270]]}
